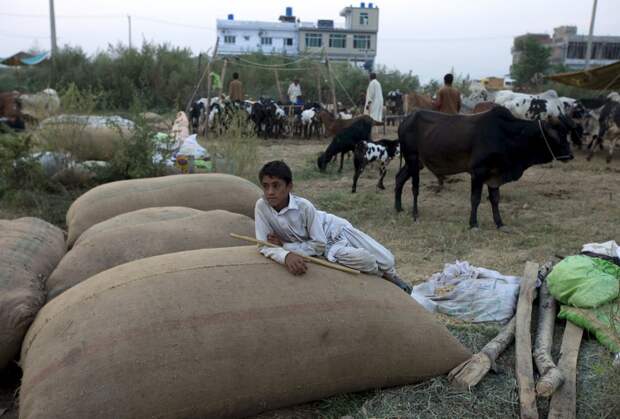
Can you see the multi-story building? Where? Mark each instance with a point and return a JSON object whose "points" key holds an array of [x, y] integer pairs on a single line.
{"points": [[355, 39], [569, 49]]}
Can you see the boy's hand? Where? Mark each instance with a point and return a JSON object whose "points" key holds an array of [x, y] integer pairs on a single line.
{"points": [[274, 239], [295, 264]]}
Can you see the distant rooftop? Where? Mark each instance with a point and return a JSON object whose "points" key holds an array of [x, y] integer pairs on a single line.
{"points": [[241, 24]]}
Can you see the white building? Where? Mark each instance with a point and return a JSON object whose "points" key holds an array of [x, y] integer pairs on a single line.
{"points": [[355, 39], [243, 37]]}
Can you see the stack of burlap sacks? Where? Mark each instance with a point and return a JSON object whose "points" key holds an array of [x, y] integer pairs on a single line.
{"points": [[153, 313]]}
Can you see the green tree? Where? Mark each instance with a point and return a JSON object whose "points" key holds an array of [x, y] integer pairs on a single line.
{"points": [[534, 60]]}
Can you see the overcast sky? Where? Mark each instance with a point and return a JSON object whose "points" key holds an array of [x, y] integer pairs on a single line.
{"points": [[428, 37]]}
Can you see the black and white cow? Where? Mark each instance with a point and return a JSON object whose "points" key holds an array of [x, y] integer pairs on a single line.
{"points": [[609, 129], [381, 152]]}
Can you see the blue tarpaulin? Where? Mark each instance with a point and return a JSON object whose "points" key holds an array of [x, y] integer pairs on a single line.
{"points": [[22, 58]]}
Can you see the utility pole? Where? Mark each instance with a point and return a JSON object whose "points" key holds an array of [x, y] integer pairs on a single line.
{"points": [[129, 20], [589, 48], [54, 46]]}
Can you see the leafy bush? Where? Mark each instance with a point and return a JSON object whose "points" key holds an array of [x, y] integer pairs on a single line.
{"points": [[19, 170]]}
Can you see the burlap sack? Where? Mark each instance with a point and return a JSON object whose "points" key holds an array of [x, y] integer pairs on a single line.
{"points": [[201, 191], [86, 137], [122, 240], [138, 217], [29, 250], [222, 333]]}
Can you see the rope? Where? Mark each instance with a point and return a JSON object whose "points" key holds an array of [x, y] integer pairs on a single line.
{"points": [[278, 66], [344, 90], [542, 131]]}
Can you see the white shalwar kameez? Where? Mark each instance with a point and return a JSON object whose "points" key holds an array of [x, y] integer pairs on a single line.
{"points": [[307, 231], [294, 90], [374, 96]]}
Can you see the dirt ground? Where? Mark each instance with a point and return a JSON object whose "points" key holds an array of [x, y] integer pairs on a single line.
{"points": [[552, 210]]}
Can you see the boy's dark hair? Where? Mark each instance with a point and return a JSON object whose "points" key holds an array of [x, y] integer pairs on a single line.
{"points": [[235, 76], [448, 78], [373, 76], [276, 168]]}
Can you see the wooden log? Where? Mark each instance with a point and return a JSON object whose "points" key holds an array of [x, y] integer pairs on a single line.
{"points": [[470, 372], [564, 402], [523, 338], [550, 376]]}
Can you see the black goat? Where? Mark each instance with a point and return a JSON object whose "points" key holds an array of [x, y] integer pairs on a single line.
{"points": [[346, 141]]}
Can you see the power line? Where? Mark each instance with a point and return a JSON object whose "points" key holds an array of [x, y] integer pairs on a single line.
{"points": [[33, 16], [12, 35]]}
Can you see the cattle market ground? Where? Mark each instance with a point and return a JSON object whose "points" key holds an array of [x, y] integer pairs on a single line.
{"points": [[552, 210]]}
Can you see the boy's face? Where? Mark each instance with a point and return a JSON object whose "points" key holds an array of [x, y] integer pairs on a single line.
{"points": [[276, 191]]}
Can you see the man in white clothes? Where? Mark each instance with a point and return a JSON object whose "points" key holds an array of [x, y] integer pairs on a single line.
{"points": [[294, 91], [295, 225], [374, 99]]}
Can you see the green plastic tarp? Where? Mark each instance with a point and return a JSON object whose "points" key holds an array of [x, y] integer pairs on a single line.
{"points": [[584, 282], [588, 287]]}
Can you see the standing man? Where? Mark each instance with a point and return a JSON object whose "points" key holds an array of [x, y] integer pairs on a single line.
{"points": [[448, 98], [294, 91], [235, 89], [374, 100]]}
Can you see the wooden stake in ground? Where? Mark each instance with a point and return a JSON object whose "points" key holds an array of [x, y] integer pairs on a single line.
{"points": [[209, 83], [310, 259], [331, 85], [470, 372], [524, 367], [564, 402], [550, 376], [280, 96], [222, 77]]}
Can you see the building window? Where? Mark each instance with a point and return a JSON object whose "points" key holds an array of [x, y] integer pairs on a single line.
{"points": [[361, 41], [337, 40], [229, 39], [314, 40], [576, 50], [611, 51], [364, 18], [266, 40], [288, 42], [246, 37]]}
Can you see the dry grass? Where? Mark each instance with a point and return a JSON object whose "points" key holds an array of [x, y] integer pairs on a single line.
{"points": [[553, 209]]}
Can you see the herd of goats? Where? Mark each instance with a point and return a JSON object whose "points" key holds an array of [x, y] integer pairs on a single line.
{"points": [[593, 118]]}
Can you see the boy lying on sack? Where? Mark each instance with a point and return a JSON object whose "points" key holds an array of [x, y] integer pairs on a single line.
{"points": [[293, 223]]}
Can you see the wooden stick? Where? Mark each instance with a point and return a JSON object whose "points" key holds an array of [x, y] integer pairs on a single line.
{"points": [[470, 372], [564, 403], [550, 376], [524, 366], [306, 258]]}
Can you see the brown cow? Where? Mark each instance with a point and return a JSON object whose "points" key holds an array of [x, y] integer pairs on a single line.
{"points": [[416, 100], [10, 110]]}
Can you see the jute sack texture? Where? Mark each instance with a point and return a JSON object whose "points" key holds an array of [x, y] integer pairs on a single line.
{"points": [[30, 248], [126, 239], [199, 191], [223, 333]]}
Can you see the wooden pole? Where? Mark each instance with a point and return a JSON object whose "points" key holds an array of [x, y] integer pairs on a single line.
{"points": [[306, 258], [563, 403], [275, 72], [550, 376], [331, 85], [470, 372], [318, 83], [209, 83], [222, 76], [524, 367]]}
